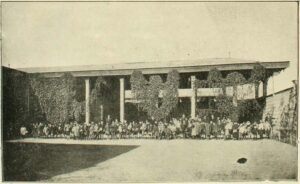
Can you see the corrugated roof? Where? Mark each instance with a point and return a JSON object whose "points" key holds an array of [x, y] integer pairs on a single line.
{"points": [[142, 65]]}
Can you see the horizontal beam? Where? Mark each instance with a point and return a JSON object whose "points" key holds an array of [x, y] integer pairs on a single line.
{"points": [[181, 93], [275, 66], [185, 92], [243, 92], [131, 101]]}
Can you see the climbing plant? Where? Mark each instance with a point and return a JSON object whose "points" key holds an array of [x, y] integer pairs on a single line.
{"points": [[56, 97], [229, 106], [225, 107], [97, 99], [258, 74], [214, 78], [250, 110], [235, 79], [138, 85], [201, 83], [148, 93]]}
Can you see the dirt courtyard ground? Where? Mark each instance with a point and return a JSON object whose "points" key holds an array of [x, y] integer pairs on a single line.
{"points": [[171, 160]]}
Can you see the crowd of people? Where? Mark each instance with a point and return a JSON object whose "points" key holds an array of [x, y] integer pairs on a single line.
{"points": [[198, 128]]}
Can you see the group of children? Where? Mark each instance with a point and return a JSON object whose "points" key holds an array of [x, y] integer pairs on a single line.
{"points": [[198, 128]]}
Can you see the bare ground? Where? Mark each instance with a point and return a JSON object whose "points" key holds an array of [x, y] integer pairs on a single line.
{"points": [[169, 160]]}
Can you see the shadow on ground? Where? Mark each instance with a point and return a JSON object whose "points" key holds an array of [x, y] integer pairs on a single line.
{"points": [[33, 162]]}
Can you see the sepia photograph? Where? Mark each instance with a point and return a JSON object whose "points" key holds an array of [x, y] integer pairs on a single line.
{"points": [[149, 91]]}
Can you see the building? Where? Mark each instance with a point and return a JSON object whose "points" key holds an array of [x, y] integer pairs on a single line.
{"points": [[119, 74], [282, 107]]}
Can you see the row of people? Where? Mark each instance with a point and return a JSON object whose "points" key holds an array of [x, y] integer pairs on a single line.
{"points": [[198, 128]]}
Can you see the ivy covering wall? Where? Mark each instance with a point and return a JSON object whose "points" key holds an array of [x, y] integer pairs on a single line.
{"points": [[57, 98], [96, 100], [147, 93], [230, 106], [62, 99]]}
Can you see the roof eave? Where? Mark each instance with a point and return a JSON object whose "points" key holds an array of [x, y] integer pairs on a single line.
{"points": [[271, 66]]}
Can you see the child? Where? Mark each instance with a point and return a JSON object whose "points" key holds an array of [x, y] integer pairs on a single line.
{"points": [[120, 131], [161, 129], [107, 130], [23, 131], [143, 129], [235, 130], [129, 130], [155, 130], [194, 129], [207, 130], [46, 131], [124, 129], [261, 129], [228, 129]]}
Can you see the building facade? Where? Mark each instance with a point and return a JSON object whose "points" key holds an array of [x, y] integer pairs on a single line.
{"points": [[189, 71]]}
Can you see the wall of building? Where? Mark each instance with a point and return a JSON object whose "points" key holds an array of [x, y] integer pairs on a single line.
{"points": [[278, 104], [15, 107]]}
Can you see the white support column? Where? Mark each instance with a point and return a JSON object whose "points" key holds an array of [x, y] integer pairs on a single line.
{"points": [[87, 100], [122, 99], [234, 96], [193, 97], [101, 112]]}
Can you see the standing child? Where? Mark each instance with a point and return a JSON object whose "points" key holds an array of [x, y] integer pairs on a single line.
{"points": [[155, 130], [107, 130]]}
